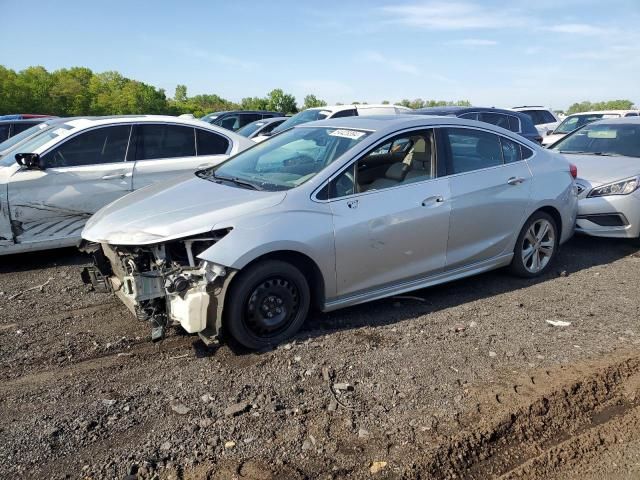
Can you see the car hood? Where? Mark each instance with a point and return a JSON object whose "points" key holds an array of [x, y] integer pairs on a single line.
{"points": [[175, 209], [599, 169]]}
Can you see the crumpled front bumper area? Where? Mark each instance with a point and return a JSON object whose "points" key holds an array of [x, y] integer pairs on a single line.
{"points": [[164, 284]]}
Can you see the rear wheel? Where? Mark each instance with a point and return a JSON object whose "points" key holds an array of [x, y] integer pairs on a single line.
{"points": [[536, 246], [267, 304]]}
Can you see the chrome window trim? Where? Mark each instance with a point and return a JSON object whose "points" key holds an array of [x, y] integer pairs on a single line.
{"points": [[314, 193]]}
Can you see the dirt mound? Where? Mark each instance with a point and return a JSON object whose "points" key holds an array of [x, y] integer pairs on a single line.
{"points": [[546, 424]]}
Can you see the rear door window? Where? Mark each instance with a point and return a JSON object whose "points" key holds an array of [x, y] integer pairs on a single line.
{"points": [[510, 150], [514, 123], [4, 131], [471, 150], [497, 119], [21, 127], [247, 118], [470, 116], [345, 113], [164, 141], [210, 143], [96, 146]]}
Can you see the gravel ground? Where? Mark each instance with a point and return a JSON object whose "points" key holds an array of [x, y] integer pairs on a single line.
{"points": [[465, 380]]}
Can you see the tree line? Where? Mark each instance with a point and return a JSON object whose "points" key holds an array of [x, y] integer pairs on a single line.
{"points": [[80, 91], [606, 105]]}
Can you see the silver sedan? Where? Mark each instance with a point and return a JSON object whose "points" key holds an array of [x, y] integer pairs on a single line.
{"points": [[330, 214], [607, 154]]}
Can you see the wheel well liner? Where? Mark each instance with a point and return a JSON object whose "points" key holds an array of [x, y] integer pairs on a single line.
{"points": [[555, 214], [307, 266]]}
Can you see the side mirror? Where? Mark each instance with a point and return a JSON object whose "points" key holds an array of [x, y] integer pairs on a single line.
{"points": [[29, 160]]}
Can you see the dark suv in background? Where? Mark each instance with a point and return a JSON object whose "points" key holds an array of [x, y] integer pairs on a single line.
{"points": [[11, 125], [517, 122], [236, 119]]}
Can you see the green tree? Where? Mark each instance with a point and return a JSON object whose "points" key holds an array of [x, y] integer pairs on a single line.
{"points": [[281, 102], [254, 103], [181, 93], [605, 105], [311, 101]]}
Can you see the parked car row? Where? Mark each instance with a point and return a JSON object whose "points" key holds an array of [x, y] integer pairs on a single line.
{"points": [[330, 214], [195, 225], [577, 120]]}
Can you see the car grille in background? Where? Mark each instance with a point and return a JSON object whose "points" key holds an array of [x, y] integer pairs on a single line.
{"points": [[581, 188], [606, 219]]}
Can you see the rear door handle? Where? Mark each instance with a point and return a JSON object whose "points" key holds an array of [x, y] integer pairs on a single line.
{"points": [[515, 180], [436, 199]]}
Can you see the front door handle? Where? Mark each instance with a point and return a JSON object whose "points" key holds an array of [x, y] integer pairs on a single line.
{"points": [[436, 199], [120, 176], [515, 180]]}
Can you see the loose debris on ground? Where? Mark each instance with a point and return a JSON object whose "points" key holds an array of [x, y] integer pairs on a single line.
{"points": [[488, 377]]}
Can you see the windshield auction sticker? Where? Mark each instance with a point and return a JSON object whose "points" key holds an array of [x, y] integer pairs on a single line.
{"points": [[352, 134]]}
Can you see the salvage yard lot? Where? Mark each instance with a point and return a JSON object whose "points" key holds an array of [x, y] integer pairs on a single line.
{"points": [[465, 379]]}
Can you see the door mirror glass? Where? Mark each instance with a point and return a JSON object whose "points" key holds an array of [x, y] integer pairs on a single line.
{"points": [[29, 160]]}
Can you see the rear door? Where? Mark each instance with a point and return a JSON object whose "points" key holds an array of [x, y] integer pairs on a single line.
{"points": [[82, 174], [490, 191], [163, 151]]}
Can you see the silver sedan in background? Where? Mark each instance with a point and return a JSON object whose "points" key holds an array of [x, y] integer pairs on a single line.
{"points": [[330, 214], [607, 154]]}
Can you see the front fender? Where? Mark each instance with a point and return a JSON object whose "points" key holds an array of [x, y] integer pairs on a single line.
{"points": [[309, 232]]}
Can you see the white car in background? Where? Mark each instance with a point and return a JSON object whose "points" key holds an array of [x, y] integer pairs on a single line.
{"points": [[577, 120], [53, 182], [335, 111], [543, 118]]}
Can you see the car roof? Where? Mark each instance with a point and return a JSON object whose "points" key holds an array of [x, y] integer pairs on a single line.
{"points": [[225, 112], [390, 123], [35, 121], [605, 112], [357, 106], [88, 121]]}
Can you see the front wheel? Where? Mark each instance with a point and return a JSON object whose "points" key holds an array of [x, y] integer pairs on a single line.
{"points": [[267, 304], [536, 246]]}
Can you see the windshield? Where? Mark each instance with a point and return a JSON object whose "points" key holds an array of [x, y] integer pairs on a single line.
{"points": [[603, 139], [251, 128], [34, 143], [302, 117], [572, 122], [287, 160]]}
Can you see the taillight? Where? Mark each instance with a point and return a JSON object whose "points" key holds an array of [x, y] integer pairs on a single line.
{"points": [[573, 170]]}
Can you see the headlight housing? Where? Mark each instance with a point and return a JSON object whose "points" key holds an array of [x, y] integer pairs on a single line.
{"points": [[621, 187]]}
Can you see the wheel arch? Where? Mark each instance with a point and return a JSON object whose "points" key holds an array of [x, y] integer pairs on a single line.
{"points": [[305, 264], [555, 214]]}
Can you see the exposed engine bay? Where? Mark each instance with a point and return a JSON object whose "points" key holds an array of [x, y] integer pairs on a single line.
{"points": [[165, 284]]}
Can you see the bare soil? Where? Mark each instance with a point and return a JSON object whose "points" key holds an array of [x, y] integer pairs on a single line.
{"points": [[465, 380]]}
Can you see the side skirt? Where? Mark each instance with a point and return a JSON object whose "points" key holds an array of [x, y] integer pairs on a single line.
{"points": [[407, 286]]}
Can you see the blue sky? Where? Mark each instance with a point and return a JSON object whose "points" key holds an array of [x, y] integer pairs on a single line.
{"points": [[550, 52]]}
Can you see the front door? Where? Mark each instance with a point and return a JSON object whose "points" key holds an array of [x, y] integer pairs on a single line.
{"points": [[81, 175], [490, 190], [393, 225]]}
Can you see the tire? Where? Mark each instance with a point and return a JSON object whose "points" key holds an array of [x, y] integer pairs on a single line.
{"points": [[536, 247], [266, 304]]}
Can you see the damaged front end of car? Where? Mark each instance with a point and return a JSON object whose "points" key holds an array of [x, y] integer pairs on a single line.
{"points": [[165, 283]]}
